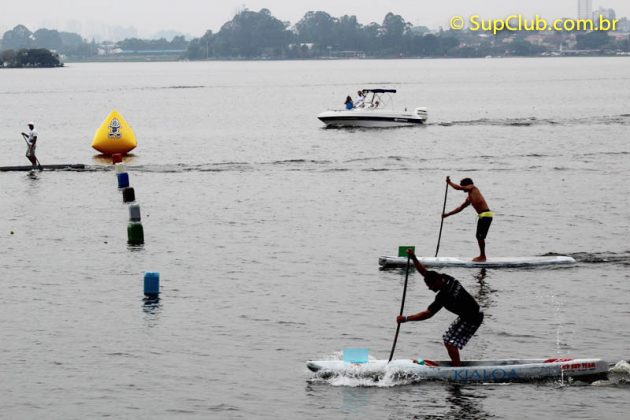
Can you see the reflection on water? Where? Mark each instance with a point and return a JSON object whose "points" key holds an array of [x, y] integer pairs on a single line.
{"points": [[107, 159], [464, 406], [152, 310], [457, 405], [135, 248], [483, 292], [33, 175], [355, 399]]}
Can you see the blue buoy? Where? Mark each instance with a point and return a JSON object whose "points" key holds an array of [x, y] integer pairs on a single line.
{"points": [[123, 180], [152, 284]]}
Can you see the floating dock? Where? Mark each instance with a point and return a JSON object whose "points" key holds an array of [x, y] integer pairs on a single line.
{"points": [[61, 167]]}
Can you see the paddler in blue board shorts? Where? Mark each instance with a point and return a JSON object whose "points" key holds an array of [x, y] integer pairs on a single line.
{"points": [[481, 207], [452, 296]]}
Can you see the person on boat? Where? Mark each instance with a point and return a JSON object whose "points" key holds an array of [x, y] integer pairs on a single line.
{"points": [[360, 100], [452, 296], [31, 141], [348, 103], [484, 215]]}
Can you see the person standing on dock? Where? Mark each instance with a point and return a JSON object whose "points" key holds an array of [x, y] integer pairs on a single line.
{"points": [[31, 141], [452, 296], [481, 207]]}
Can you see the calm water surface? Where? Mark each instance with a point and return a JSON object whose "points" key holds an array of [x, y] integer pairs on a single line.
{"points": [[266, 229]]}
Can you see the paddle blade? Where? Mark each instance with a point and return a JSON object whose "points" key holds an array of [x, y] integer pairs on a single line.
{"points": [[355, 355], [402, 250]]}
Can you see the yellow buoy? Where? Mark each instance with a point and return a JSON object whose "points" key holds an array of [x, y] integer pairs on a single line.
{"points": [[114, 135]]}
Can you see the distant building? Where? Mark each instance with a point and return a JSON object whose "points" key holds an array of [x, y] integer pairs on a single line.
{"points": [[606, 13], [624, 24], [108, 48], [585, 9]]}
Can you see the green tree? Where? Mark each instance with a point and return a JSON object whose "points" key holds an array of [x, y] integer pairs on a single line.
{"points": [[394, 28], [7, 58], [30, 58], [252, 35], [370, 38], [49, 39], [348, 33], [17, 38], [592, 40], [317, 28], [71, 41], [200, 48]]}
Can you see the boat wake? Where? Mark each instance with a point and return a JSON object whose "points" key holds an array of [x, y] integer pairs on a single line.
{"points": [[362, 379], [619, 375], [621, 119], [607, 257]]}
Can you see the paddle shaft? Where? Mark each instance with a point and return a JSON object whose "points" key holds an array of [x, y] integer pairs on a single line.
{"points": [[402, 308], [437, 249]]}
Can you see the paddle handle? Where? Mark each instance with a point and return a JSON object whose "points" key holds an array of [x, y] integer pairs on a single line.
{"points": [[402, 308], [437, 248]]}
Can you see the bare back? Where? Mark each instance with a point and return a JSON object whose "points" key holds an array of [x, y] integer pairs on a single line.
{"points": [[476, 200]]}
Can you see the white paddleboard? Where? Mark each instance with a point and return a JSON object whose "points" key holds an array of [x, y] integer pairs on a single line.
{"points": [[496, 262], [507, 370]]}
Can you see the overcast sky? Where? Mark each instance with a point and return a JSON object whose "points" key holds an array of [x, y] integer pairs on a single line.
{"points": [[195, 16]]}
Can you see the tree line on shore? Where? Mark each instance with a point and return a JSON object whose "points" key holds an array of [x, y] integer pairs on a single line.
{"points": [[260, 35], [36, 57]]}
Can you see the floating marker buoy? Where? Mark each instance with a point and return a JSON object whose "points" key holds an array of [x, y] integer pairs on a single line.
{"points": [[402, 250], [151, 284], [134, 212], [135, 233], [120, 167], [123, 180], [129, 195], [116, 158], [114, 136]]}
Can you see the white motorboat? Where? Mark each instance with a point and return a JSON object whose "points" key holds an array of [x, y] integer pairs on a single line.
{"points": [[376, 111]]}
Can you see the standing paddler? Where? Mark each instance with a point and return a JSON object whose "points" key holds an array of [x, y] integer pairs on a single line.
{"points": [[31, 143], [452, 296], [481, 207]]}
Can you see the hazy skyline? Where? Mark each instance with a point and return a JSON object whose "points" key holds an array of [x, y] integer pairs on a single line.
{"points": [[144, 18]]}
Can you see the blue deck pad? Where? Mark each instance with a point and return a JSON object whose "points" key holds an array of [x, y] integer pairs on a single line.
{"points": [[355, 355]]}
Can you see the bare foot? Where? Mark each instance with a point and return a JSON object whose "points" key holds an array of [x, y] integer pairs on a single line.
{"points": [[479, 259]]}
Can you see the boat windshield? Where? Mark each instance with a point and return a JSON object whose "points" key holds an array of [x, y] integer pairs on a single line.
{"points": [[379, 98]]}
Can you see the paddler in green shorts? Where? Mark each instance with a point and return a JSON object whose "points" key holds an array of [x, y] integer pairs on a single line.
{"points": [[481, 207]]}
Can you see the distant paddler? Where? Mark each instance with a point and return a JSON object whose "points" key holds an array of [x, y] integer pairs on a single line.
{"points": [[481, 207], [31, 144], [452, 296]]}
